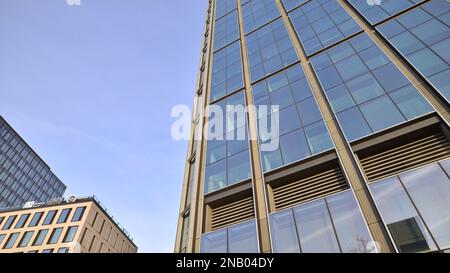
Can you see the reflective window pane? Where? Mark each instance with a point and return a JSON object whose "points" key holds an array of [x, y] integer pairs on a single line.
{"points": [[321, 23], [398, 213], [226, 30], [284, 233], [309, 111], [331, 224], [271, 160], [12, 239], [22, 220], [318, 137], [446, 166], [375, 13], [26, 238], [269, 49], [298, 114], [224, 6], [36, 219], [40, 237], [411, 103], [340, 98], [9, 222], [49, 217], [291, 4], [357, 73], [350, 226], [294, 146], [242, 238], [238, 167], [227, 156], [215, 176], [63, 216], [54, 237], [257, 13], [315, 229], [422, 37], [78, 214], [353, 124], [2, 237], [214, 242], [429, 189], [381, 113], [70, 234], [226, 71]]}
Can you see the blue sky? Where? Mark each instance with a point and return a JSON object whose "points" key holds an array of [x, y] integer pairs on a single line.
{"points": [[91, 88]]}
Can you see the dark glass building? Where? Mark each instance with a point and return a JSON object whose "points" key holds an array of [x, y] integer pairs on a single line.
{"points": [[24, 176], [363, 161]]}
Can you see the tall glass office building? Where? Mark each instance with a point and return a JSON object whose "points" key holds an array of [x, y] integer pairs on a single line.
{"points": [[363, 161], [24, 176]]}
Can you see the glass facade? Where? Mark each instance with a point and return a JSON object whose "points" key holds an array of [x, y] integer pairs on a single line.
{"points": [[227, 74], [415, 207], [330, 225], [292, 4], [240, 238], [227, 155], [321, 23], [376, 13], [422, 36], [23, 175], [257, 13], [269, 49], [226, 30], [367, 92], [302, 130], [364, 84], [224, 7]]}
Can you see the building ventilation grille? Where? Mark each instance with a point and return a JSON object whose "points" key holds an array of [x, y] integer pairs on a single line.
{"points": [[232, 213], [408, 156], [312, 187]]}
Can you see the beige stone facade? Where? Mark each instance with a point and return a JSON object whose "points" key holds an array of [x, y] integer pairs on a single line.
{"points": [[75, 226]]}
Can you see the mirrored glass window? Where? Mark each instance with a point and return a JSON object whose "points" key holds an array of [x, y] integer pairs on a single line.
{"points": [[367, 92], [292, 4], [321, 23], [422, 36], [284, 232], [224, 7], [302, 131], [257, 13], [226, 30], [415, 208], [269, 49], [350, 227], [315, 228], [240, 238], [331, 224], [376, 11], [227, 155], [226, 71]]}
